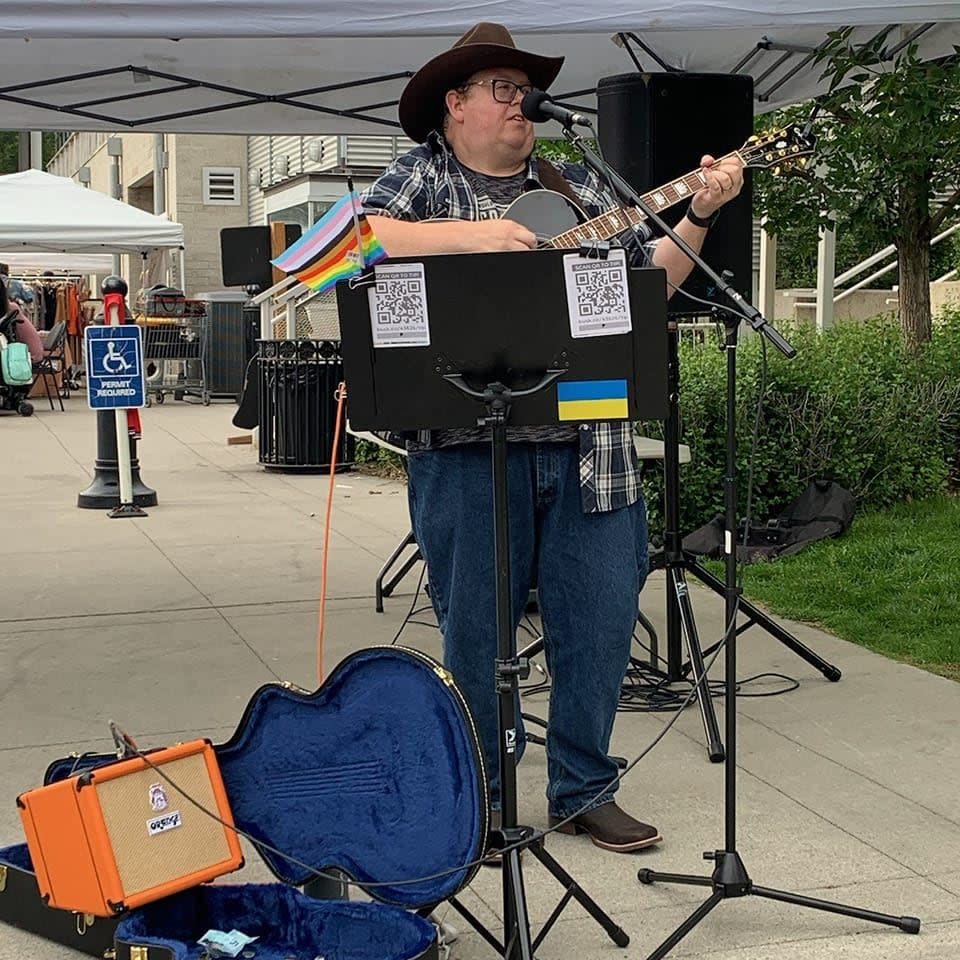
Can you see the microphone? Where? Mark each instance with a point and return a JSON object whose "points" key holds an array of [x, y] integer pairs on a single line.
{"points": [[539, 107]]}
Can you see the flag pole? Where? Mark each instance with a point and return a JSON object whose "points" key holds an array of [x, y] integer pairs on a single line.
{"points": [[356, 223]]}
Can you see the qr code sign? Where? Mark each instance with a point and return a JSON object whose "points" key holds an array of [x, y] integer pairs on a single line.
{"points": [[399, 301], [600, 290], [398, 306], [598, 298]]}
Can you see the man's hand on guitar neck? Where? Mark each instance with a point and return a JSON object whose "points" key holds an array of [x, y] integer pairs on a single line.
{"points": [[403, 238], [724, 181]]}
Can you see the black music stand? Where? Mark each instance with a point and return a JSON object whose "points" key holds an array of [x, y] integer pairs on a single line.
{"points": [[502, 348]]}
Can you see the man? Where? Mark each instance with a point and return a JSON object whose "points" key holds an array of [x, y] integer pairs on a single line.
{"points": [[577, 516]]}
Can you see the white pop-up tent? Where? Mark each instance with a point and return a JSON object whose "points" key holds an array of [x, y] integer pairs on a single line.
{"points": [[298, 66], [43, 213], [75, 263]]}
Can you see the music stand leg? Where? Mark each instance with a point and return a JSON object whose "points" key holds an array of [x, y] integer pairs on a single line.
{"points": [[381, 590], [509, 671], [761, 619]]}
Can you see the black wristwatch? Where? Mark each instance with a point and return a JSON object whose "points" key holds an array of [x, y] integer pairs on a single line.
{"points": [[703, 222]]}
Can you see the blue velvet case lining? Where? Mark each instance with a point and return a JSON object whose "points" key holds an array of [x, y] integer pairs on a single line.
{"points": [[287, 924], [377, 772]]}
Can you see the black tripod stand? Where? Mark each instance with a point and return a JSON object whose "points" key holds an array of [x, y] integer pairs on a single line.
{"points": [[676, 563], [517, 943], [730, 878]]}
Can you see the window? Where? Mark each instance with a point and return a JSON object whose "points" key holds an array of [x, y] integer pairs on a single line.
{"points": [[221, 185], [298, 214]]}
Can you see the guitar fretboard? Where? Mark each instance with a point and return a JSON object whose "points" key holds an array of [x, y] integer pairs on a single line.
{"points": [[614, 222]]}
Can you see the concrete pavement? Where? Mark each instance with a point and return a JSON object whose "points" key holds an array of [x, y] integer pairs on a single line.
{"points": [[848, 791]]}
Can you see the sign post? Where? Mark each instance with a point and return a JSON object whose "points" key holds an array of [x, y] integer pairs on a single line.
{"points": [[115, 381]]}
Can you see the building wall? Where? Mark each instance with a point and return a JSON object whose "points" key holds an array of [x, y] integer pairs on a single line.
{"points": [[203, 221]]}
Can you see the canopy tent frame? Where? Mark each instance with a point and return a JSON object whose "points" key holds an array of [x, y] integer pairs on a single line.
{"points": [[51, 101], [289, 99]]}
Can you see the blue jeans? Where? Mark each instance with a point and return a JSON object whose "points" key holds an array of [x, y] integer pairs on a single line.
{"points": [[588, 570]]}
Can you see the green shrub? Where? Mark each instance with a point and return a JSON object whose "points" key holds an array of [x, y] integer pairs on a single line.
{"points": [[367, 452], [852, 407]]}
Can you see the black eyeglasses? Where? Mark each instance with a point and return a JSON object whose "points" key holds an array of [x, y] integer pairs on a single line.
{"points": [[504, 91]]}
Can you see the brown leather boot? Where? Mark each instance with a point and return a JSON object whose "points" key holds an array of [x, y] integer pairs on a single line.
{"points": [[611, 828]]}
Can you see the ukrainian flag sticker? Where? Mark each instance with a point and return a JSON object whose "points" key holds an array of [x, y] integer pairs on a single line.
{"points": [[592, 400]]}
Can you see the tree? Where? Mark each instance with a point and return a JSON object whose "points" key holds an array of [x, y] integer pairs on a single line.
{"points": [[10, 150], [888, 142]]}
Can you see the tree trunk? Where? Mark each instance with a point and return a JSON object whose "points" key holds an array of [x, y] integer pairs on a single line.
{"points": [[913, 248]]}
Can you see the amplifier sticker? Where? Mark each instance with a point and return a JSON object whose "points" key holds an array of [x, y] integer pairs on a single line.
{"points": [[158, 797], [169, 821]]}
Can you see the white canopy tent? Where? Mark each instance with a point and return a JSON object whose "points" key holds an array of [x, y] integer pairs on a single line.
{"points": [[73, 263], [43, 213], [297, 66]]}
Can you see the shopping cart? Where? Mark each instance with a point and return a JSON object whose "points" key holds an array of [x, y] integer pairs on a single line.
{"points": [[175, 352]]}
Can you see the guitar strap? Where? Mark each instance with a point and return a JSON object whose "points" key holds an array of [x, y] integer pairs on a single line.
{"points": [[552, 179]]}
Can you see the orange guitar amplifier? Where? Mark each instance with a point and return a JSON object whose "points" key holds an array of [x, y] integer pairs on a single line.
{"points": [[120, 836]]}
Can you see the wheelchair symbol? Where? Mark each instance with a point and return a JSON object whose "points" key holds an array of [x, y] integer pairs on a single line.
{"points": [[114, 362]]}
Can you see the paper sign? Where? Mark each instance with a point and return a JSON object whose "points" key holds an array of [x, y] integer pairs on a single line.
{"points": [[598, 299], [398, 306]]}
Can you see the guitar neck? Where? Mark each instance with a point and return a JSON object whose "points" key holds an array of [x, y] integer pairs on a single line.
{"points": [[614, 222]]}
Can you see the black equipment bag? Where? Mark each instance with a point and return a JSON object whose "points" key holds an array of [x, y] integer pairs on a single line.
{"points": [[823, 510]]}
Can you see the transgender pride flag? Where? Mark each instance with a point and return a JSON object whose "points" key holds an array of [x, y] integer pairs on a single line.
{"points": [[339, 245]]}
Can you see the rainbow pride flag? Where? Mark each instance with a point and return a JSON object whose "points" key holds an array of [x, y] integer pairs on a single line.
{"points": [[339, 245]]}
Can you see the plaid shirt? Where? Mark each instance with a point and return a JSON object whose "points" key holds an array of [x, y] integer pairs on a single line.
{"points": [[427, 183]]}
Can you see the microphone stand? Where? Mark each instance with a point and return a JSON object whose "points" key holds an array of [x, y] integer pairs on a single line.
{"points": [[729, 878]]}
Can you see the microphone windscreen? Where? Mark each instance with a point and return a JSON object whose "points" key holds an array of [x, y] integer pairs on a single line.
{"points": [[530, 106]]}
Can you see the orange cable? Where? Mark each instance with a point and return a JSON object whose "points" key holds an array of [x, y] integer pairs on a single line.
{"points": [[341, 397]]}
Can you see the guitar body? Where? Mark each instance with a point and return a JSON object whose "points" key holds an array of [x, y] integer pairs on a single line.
{"points": [[545, 213]]}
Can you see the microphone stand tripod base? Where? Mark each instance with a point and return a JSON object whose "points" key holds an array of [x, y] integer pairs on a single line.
{"points": [[730, 879]]}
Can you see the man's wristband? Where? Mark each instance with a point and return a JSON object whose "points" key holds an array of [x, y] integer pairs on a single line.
{"points": [[702, 222]]}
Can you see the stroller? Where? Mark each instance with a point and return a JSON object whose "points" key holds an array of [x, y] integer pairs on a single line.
{"points": [[13, 397]]}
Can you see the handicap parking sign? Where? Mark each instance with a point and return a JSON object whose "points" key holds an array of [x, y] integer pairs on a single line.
{"points": [[114, 367]]}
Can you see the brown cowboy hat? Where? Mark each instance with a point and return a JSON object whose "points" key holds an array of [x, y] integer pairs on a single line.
{"points": [[482, 46]]}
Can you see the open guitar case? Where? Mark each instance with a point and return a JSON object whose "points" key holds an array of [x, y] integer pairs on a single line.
{"points": [[378, 774]]}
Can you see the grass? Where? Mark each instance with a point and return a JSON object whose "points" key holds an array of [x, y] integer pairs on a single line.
{"points": [[891, 583]]}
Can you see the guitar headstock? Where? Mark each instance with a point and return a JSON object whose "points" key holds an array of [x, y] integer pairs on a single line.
{"points": [[779, 150]]}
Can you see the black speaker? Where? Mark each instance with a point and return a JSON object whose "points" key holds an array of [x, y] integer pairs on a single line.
{"points": [[655, 127], [245, 255]]}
